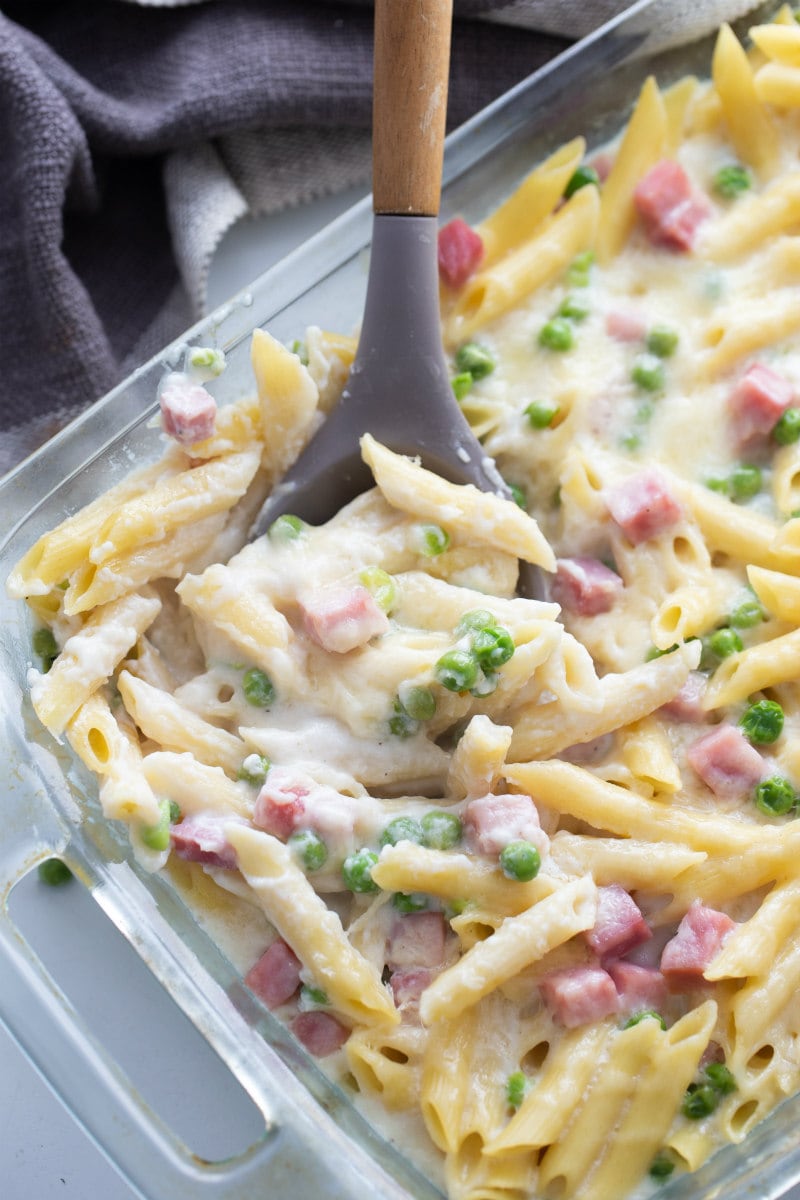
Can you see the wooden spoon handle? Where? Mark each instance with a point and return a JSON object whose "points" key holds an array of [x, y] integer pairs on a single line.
{"points": [[412, 55]]}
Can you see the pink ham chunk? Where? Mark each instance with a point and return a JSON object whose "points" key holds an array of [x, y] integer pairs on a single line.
{"points": [[579, 995], [759, 399], [726, 762], [492, 822], [188, 411], [585, 586], [320, 1033], [416, 940], [460, 251], [407, 985], [280, 807], [643, 506], [639, 988], [625, 326], [699, 938], [687, 703], [670, 210], [340, 619], [200, 838], [276, 976], [619, 925]]}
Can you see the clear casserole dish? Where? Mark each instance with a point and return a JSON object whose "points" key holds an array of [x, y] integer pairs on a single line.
{"points": [[322, 1147]]}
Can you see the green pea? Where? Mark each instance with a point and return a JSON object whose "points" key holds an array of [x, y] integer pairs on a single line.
{"points": [[156, 837], [731, 180], [748, 614], [401, 723], [786, 429], [301, 350], [662, 341], [402, 829], [721, 1078], [520, 860], [493, 647], [647, 1014], [409, 902], [254, 768], [654, 652], [440, 830], [207, 360], [542, 413], [381, 585], [419, 702], [579, 270], [476, 360], [457, 670], [357, 871], [724, 642], [433, 540], [662, 1166], [648, 373], [573, 308], [286, 528], [258, 688], [762, 722], [175, 814], [310, 848], [476, 618], [775, 796], [631, 442], [54, 872], [518, 496], [581, 177], [45, 646], [312, 997], [556, 334], [462, 385], [700, 1100], [516, 1087], [745, 482], [722, 486]]}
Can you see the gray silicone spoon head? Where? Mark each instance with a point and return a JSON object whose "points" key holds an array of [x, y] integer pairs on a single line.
{"points": [[399, 386]]}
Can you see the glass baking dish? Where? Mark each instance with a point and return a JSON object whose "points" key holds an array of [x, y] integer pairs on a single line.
{"points": [[315, 1143]]}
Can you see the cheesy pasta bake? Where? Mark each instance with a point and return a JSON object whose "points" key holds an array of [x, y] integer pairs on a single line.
{"points": [[523, 874]]}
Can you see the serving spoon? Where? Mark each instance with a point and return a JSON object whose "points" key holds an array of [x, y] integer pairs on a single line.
{"points": [[399, 386]]}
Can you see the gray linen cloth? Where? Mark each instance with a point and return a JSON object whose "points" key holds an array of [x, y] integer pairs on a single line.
{"points": [[134, 134]]}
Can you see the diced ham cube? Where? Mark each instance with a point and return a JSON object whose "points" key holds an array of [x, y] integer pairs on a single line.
{"points": [[407, 985], [200, 838], [643, 506], [585, 586], [460, 250], [188, 411], [699, 938], [639, 988], [687, 703], [713, 1053], [320, 1033], [760, 397], [340, 619], [416, 940], [669, 208], [491, 822], [625, 326], [619, 925], [726, 762], [280, 807], [579, 995], [276, 976]]}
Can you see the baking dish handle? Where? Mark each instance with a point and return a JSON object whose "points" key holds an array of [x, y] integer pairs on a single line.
{"points": [[146, 1153]]}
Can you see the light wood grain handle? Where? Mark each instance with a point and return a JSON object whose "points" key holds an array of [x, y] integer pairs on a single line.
{"points": [[412, 56]]}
